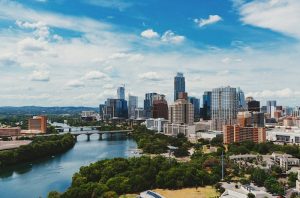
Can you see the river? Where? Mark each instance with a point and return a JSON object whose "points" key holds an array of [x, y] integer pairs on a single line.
{"points": [[36, 179]]}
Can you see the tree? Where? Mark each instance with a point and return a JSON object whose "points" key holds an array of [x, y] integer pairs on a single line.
{"points": [[292, 177], [258, 176]]}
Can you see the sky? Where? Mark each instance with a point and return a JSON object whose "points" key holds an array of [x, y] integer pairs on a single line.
{"points": [[77, 52]]}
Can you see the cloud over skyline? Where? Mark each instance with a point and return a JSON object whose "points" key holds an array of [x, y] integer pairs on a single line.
{"points": [[80, 58]]}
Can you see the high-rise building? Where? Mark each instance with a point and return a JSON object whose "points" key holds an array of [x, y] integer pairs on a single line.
{"points": [[250, 119], [236, 133], [148, 104], [115, 108], [181, 112], [132, 105], [38, 123], [101, 111], [252, 105], [224, 107], [160, 107], [241, 99], [271, 108], [179, 85], [196, 102], [121, 93], [206, 110]]}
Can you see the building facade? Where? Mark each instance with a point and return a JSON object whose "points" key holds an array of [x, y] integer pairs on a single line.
{"points": [[116, 108], [224, 107], [179, 85], [132, 105], [235, 133], [196, 102], [38, 123], [181, 112], [271, 108], [160, 107], [206, 109], [121, 93], [148, 104]]}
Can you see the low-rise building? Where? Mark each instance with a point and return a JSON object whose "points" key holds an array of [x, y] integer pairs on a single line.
{"points": [[155, 124], [235, 133], [174, 129], [285, 161], [242, 191], [12, 131], [284, 135]]}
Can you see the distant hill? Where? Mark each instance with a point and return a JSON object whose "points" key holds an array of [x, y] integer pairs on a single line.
{"points": [[36, 110]]}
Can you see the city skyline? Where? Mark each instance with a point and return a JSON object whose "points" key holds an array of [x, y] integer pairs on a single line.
{"points": [[60, 53]]}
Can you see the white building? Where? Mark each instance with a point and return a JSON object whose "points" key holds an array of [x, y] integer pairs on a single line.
{"points": [[175, 129], [242, 191], [156, 124], [139, 114], [281, 134]]}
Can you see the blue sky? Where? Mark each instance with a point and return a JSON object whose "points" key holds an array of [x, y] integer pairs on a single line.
{"points": [[66, 52]]}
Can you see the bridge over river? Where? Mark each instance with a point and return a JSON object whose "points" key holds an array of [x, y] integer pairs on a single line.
{"points": [[100, 133]]}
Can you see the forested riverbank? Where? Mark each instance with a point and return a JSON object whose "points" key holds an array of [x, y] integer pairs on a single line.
{"points": [[40, 147]]}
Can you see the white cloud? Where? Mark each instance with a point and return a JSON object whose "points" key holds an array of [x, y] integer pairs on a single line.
{"points": [[8, 60], [170, 37], [210, 20], [281, 16], [32, 45], [95, 75], [40, 76], [75, 84], [281, 93], [149, 34], [151, 76]]}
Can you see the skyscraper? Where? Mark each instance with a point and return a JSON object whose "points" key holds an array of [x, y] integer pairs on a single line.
{"points": [[196, 102], [252, 105], [132, 105], [271, 108], [241, 99], [181, 112], [224, 107], [121, 92], [160, 107], [179, 85], [148, 104], [115, 108], [206, 110]]}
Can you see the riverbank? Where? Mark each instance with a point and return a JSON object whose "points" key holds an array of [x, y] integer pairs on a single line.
{"points": [[40, 147]]}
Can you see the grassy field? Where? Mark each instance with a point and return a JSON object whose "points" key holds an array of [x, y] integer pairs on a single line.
{"points": [[204, 192]]}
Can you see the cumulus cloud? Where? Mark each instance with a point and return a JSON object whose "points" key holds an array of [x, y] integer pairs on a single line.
{"points": [[170, 37], [281, 16], [32, 45], [210, 20], [151, 76], [95, 75], [40, 76], [281, 93], [75, 84], [149, 34]]}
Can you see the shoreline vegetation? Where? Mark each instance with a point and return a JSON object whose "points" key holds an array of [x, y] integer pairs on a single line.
{"points": [[120, 176], [40, 147]]}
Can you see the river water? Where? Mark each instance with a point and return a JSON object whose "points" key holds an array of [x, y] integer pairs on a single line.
{"points": [[37, 178]]}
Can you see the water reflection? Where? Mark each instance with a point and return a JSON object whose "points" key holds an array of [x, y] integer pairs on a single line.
{"points": [[54, 173]]}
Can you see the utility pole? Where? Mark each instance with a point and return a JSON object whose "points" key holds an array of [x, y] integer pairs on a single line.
{"points": [[222, 166]]}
